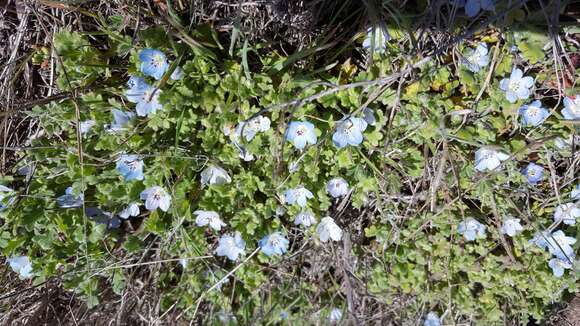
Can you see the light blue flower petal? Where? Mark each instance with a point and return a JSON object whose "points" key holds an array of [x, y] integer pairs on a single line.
{"points": [[504, 84], [339, 139], [511, 96], [356, 138], [290, 196], [137, 82], [432, 319], [311, 137], [470, 235], [523, 93], [300, 142], [516, 74], [487, 5], [558, 266], [143, 109], [177, 74], [575, 194], [291, 131], [527, 82], [481, 166], [134, 95], [301, 200], [472, 8], [369, 116]]}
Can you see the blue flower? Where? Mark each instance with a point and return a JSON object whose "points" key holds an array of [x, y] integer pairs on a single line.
{"points": [[487, 159], [273, 244], [571, 109], [149, 103], [511, 227], [300, 133], [304, 218], [251, 128], [177, 74], [137, 86], [130, 167], [477, 58], [558, 265], [557, 243], [473, 7], [327, 229], [533, 114], [153, 63], [293, 166], [567, 213], [120, 120], [335, 316], [156, 197], [214, 175], [6, 197], [517, 86], [246, 156], [131, 210], [575, 194], [283, 315], [337, 187], [534, 173], [26, 171], [432, 319], [69, 200], [471, 229], [280, 211], [560, 245], [136, 82], [100, 216], [349, 132], [145, 95], [231, 246], [210, 218], [376, 39], [298, 195], [86, 126], [21, 265], [369, 116]]}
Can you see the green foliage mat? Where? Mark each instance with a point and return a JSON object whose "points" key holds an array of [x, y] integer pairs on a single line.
{"points": [[412, 182]]}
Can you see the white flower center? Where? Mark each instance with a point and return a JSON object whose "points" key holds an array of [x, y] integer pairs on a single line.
{"points": [[347, 127], [475, 57], [514, 86], [301, 130], [132, 165], [487, 155], [533, 111], [157, 60]]}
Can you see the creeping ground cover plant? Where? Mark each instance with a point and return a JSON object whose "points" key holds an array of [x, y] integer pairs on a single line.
{"points": [[271, 192]]}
